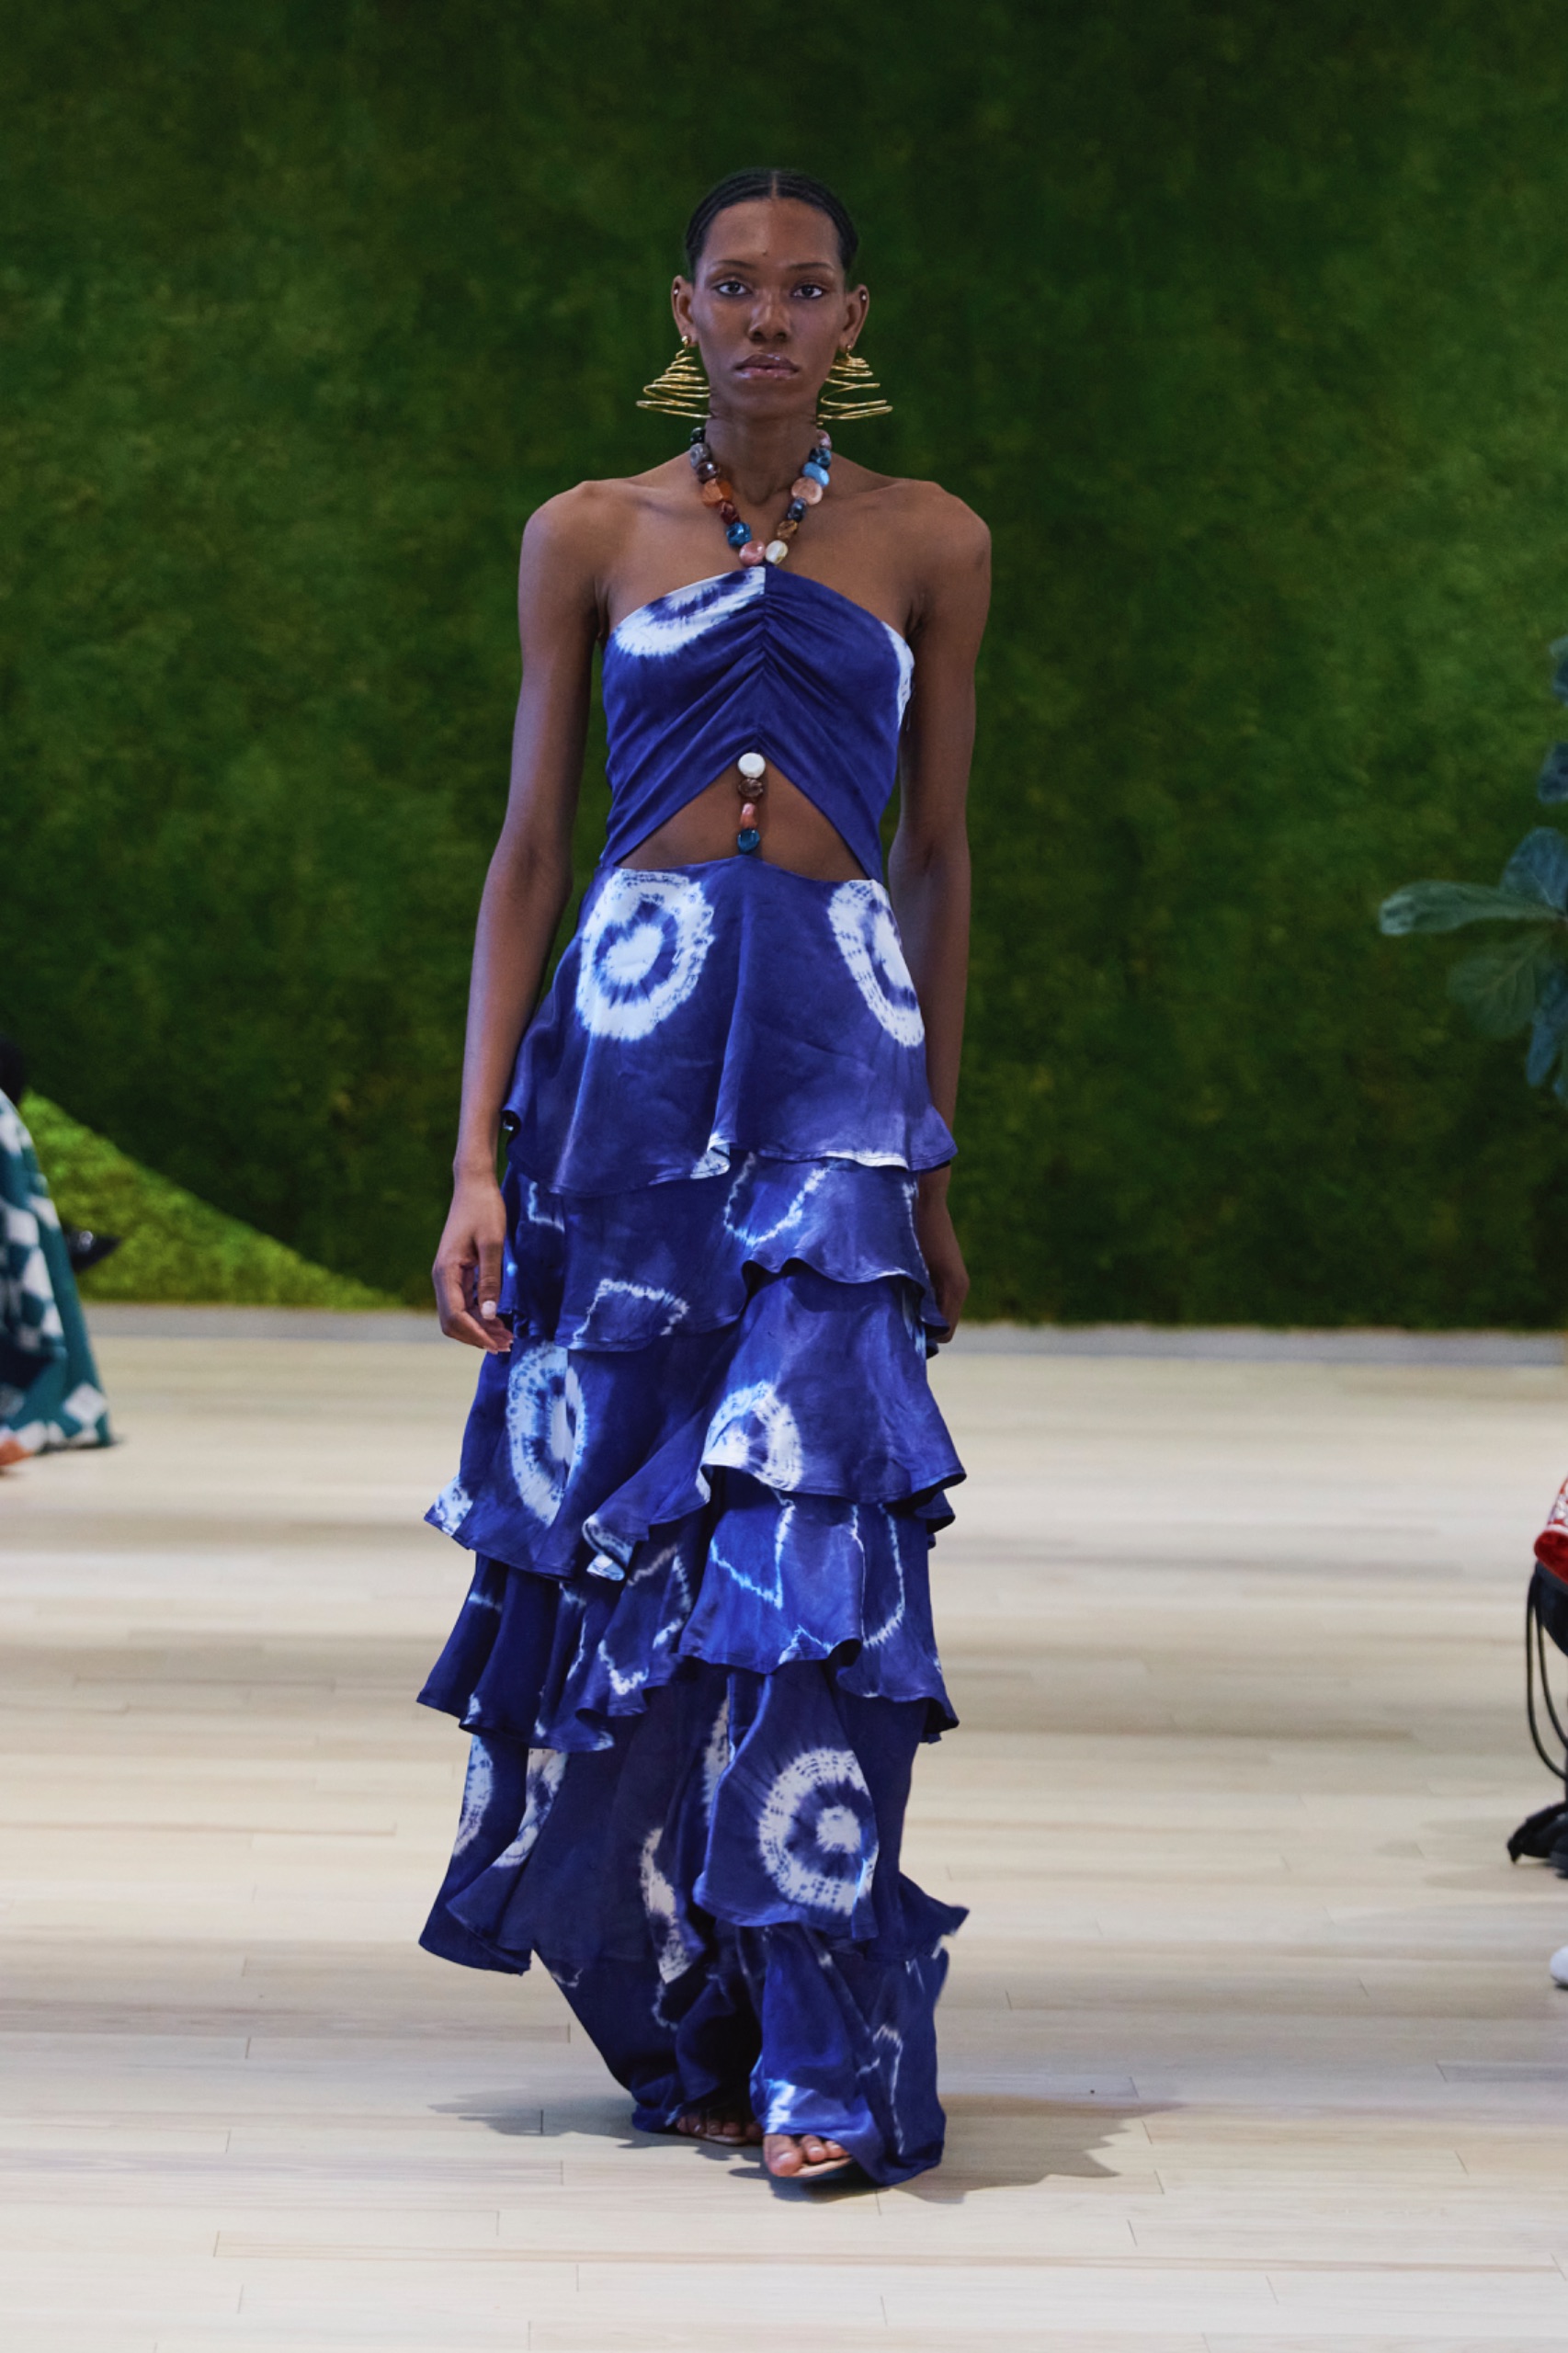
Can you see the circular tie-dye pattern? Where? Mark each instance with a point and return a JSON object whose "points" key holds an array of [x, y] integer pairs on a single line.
{"points": [[479, 1787], [817, 1831], [546, 1771], [740, 1210], [861, 917], [545, 1426], [671, 623], [640, 952], [754, 1430], [661, 1908]]}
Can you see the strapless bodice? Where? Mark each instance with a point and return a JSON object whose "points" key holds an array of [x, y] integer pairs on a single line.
{"points": [[757, 660]]}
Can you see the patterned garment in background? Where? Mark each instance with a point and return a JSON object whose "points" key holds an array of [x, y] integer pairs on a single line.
{"points": [[696, 1657], [49, 1385]]}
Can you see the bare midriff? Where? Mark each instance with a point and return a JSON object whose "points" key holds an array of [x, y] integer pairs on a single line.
{"points": [[794, 833]]}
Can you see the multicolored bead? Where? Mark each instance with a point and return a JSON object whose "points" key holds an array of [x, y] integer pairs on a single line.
{"points": [[805, 492], [753, 768]]}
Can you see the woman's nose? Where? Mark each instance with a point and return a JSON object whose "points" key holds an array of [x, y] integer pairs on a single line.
{"points": [[769, 321]]}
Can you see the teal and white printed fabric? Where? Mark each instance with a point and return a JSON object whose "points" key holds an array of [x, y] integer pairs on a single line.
{"points": [[49, 1385]]}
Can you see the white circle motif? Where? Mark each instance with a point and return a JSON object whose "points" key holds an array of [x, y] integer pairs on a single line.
{"points": [[838, 1830], [640, 952], [479, 1787], [545, 1426], [861, 917], [754, 1430], [816, 1831]]}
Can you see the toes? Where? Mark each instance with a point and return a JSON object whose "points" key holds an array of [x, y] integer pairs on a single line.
{"points": [[781, 2154]]}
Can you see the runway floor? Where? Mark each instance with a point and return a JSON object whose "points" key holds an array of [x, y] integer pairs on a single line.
{"points": [[1249, 2042]]}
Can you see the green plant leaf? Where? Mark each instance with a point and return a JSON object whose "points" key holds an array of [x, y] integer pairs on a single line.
{"points": [[1498, 987], [1539, 869], [1445, 907]]}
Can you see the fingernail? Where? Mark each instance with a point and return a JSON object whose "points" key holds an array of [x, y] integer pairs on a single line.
{"points": [[487, 1307]]}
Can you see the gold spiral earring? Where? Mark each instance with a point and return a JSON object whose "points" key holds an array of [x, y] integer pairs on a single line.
{"points": [[851, 392], [682, 390]]}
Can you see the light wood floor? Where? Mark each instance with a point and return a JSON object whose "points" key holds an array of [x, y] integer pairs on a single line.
{"points": [[1249, 2042]]}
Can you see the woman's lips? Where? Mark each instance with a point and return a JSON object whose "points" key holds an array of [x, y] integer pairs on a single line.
{"points": [[766, 368]]}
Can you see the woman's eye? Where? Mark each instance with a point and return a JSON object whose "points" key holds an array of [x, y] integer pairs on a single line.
{"points": [[730, 286], [812, 292]]}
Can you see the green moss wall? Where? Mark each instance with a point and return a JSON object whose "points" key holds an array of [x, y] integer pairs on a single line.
{"points": [[1246, 328]]}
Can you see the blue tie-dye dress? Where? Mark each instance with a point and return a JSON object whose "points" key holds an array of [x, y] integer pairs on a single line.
{"points": [[696, 1657]]}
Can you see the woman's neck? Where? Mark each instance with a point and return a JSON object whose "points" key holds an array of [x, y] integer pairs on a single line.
{"points": [[762, 457]]}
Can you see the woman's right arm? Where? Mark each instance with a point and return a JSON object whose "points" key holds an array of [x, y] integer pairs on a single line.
{"points": [[526, 890]]}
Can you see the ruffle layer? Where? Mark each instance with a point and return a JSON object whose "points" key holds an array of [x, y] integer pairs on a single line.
{"points": [[697, 1657], [573, 1457], [756, 1800], [752, 1581], [717, 1891], [712, 1012], [619, 1270]]}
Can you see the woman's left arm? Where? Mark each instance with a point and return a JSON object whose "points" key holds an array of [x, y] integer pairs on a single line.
{"points": [[928, 874]]}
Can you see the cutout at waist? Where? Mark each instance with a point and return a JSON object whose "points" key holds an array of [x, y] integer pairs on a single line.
{"points": [[795, 833]]}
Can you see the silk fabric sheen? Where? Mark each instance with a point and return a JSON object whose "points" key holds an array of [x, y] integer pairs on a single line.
{"points": [[758, 659]]}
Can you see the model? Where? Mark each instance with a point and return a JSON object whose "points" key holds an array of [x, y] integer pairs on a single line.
{"points": [[703, 1468]]}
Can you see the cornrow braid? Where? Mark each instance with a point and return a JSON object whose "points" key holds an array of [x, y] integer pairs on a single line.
{"points": [[749, 188]]}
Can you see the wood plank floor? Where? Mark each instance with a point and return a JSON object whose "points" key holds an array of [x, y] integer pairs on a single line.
{"points": [[1249, 2042]]}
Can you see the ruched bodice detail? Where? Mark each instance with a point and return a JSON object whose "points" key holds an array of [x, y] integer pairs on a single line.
{"points": [[758, 660]]}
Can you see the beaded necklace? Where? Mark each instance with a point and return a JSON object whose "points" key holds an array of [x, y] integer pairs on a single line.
{"points": [[805, 492]]}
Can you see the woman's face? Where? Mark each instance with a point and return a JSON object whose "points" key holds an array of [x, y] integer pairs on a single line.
{"points": [[770, 307]]}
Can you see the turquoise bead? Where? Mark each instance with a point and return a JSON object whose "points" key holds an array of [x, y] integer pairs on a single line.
{"points": [[814, 473], [747, 840]]}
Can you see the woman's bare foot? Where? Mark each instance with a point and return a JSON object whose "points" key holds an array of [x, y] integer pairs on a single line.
{"points": [[802, 2156], [724, 2125]]}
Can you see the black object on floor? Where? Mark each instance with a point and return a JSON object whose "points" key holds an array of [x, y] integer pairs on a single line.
{"points": [[85, 1248], [1543, 1837]]}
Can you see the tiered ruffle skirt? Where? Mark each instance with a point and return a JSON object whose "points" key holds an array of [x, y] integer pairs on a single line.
{"points": [[696, 1657]]}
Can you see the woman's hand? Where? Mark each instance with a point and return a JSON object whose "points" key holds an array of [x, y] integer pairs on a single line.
{"points": [[466, 1273], [939, 1247]]}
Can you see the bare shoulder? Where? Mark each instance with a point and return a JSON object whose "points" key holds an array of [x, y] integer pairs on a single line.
{"points": [[572, 542], [950, 560], [586, 522], [949, 533]]}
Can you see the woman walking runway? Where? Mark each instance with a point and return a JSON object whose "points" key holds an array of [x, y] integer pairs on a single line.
{"points": [[704, 1468]]}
